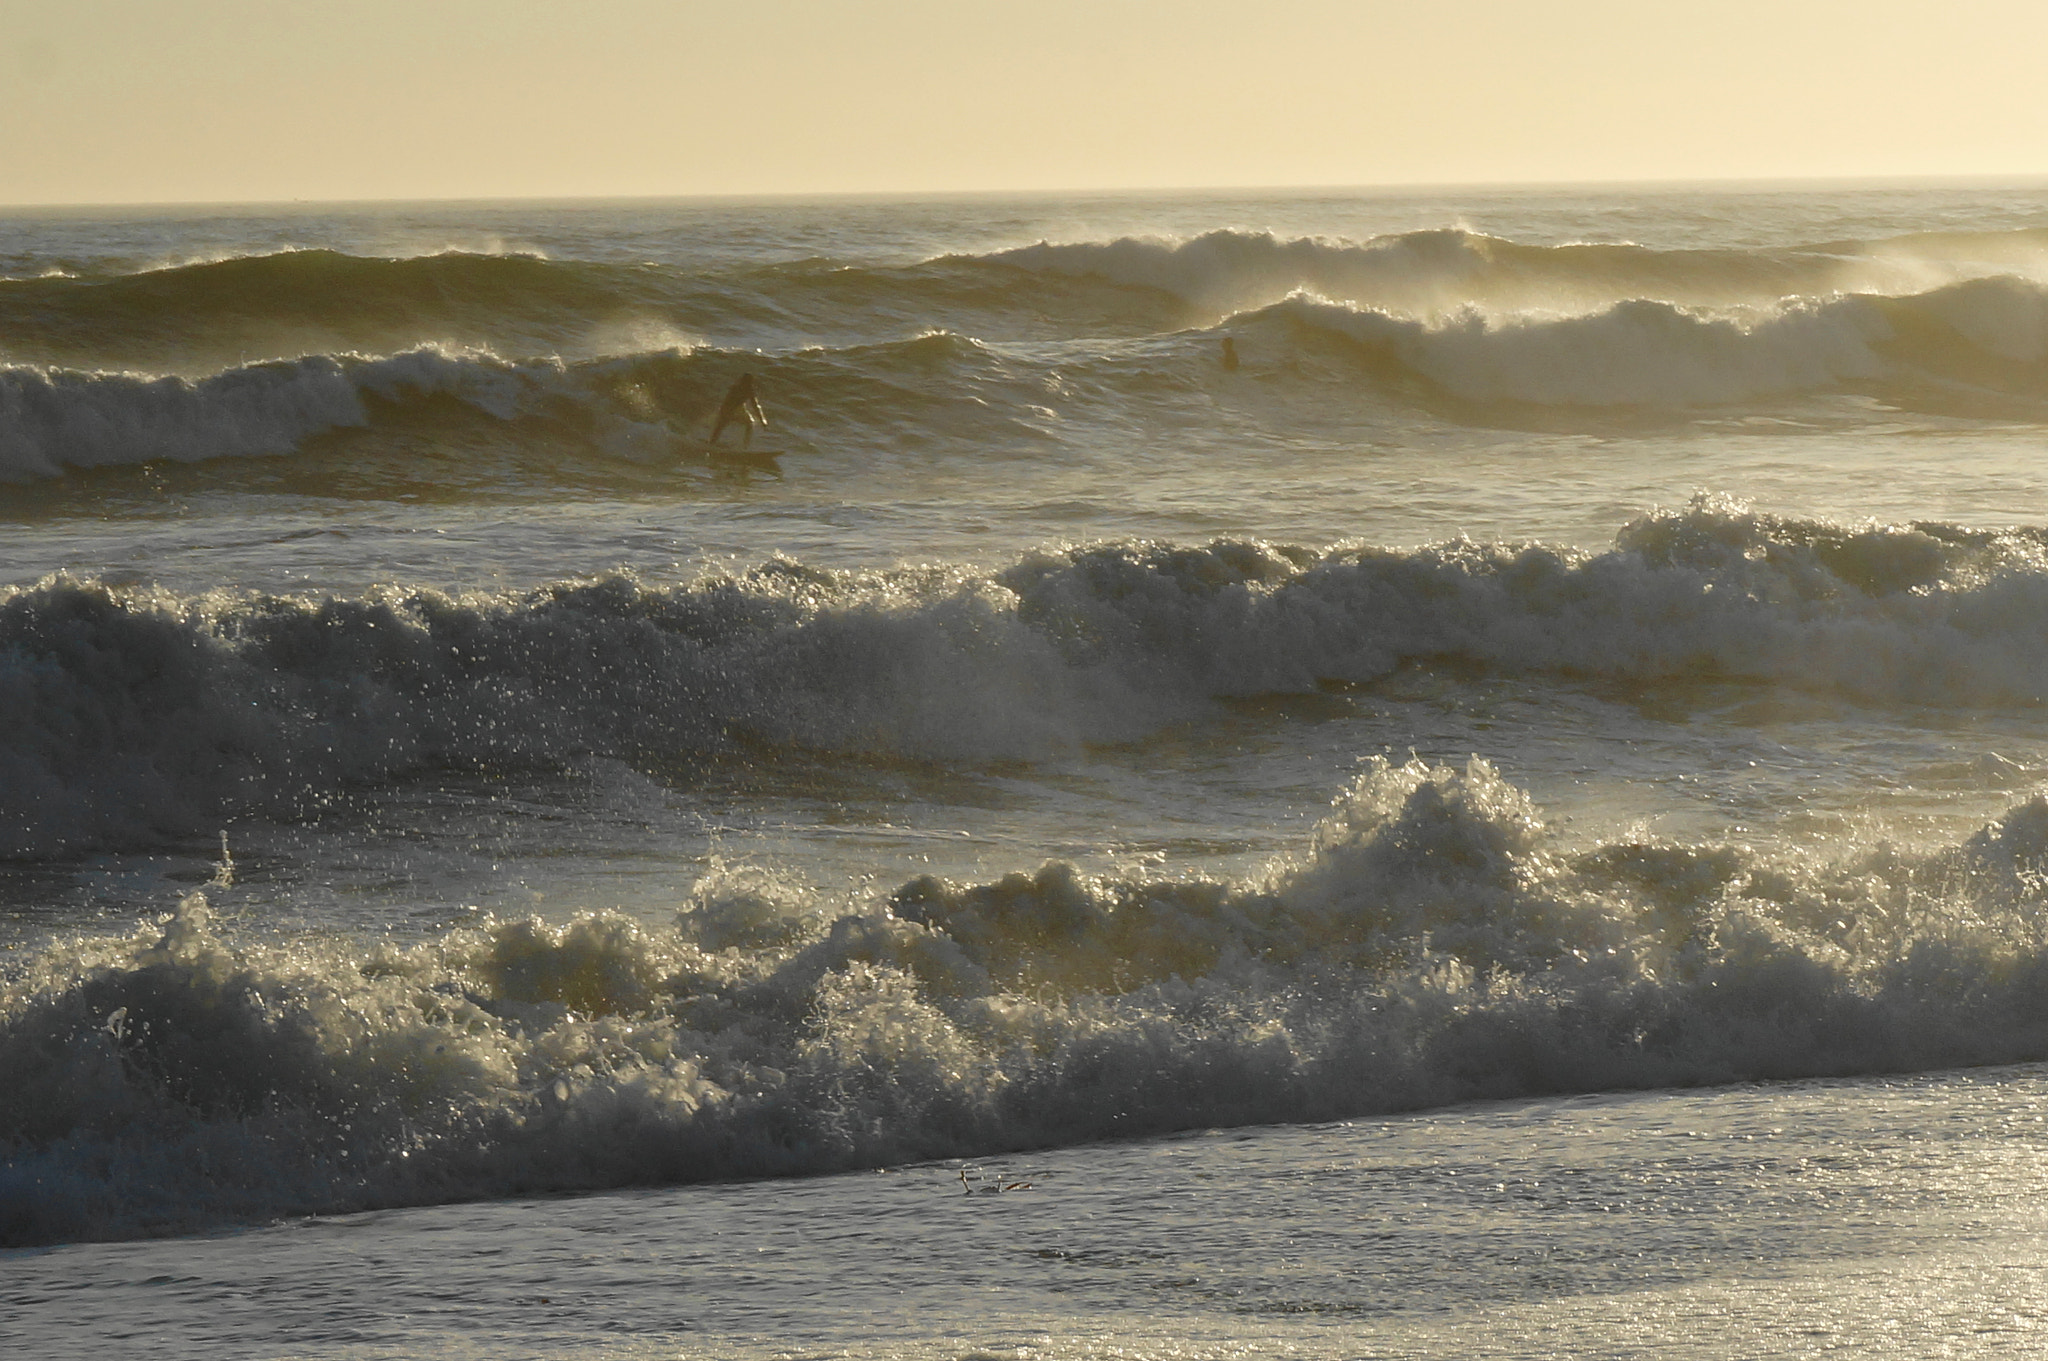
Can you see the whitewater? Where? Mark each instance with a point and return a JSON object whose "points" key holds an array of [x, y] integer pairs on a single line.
{"points": [[1504, 815]]}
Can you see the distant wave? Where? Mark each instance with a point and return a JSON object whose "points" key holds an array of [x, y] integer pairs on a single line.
{"points": [[126, 717], [1975, 348], [1484, 318], [212, 314], [1429, 943], [1978, 339], [295, 302], [1439, 273]]}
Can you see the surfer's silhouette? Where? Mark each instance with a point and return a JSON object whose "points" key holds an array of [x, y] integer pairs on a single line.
{"points": [[740, 405], [1229, 355]]}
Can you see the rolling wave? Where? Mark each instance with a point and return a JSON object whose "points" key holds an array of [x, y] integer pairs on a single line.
{"points": [[339, 301], [52, 420], [194, 317], [635, 407], [1974, 347], [1431, 943], [127, 717], [1435, 274], [310, 301], [1928, 321]]}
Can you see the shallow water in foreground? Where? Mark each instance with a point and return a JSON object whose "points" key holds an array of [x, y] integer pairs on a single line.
{"points": [[1863, 1217]]}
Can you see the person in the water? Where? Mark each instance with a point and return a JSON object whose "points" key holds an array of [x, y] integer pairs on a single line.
{"points": [[1229, 355], [740, 405]]}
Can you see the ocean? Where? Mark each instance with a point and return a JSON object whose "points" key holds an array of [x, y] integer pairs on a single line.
{"points": [[1499, 814]]}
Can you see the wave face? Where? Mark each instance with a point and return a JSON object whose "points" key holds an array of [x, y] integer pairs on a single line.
{"points": [[129, 716], [634, 408], [308, 301], [197, 318], [1429, 945], [52, 420]]}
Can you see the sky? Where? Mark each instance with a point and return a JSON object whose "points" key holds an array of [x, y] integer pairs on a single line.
{"points": [[149, 101]]}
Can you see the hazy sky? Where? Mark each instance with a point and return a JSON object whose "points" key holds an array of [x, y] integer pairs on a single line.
{"points": [[164, 100]]}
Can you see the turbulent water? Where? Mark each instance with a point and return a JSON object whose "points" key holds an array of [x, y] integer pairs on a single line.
{"points": [[1574, 642]]}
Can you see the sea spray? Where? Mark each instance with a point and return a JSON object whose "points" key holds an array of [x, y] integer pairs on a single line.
{"points": [[1436, 274], [1972, 347]]}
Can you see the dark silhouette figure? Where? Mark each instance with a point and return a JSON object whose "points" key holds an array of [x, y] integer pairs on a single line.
{"points": [[1229, 355], [740, 405]]}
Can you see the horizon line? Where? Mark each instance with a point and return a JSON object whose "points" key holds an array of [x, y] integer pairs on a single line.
{"points": [[1669, 184]]}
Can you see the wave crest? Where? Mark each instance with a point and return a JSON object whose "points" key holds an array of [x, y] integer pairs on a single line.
{"points": [[54, 420], [303, 301], [1433, 274]]}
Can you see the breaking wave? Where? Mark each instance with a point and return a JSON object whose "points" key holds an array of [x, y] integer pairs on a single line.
{"points": [[1976, 348], [52, 420], [633, 407], [1964, 346], [127, 715], [213, 313], [973, 351], [1430, 944], [1428, 275]]}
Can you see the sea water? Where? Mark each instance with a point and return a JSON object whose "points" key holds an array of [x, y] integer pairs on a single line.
{"points": [[1504, 822]]}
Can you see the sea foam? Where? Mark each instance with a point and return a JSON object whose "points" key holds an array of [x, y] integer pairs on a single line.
{"points": [[52, 420], [1431, 943], [127, 715]]}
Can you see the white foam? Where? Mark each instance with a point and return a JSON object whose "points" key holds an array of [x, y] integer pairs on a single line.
{"points": [[1227, 271], [127, 715], [57, 419], [1430, 943], [1632, 354]]}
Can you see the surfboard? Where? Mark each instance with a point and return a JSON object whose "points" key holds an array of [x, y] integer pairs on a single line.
{"points": [[730, 456]]}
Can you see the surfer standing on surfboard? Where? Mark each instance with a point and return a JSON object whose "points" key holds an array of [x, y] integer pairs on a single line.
{"points": [[741, 405]]}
